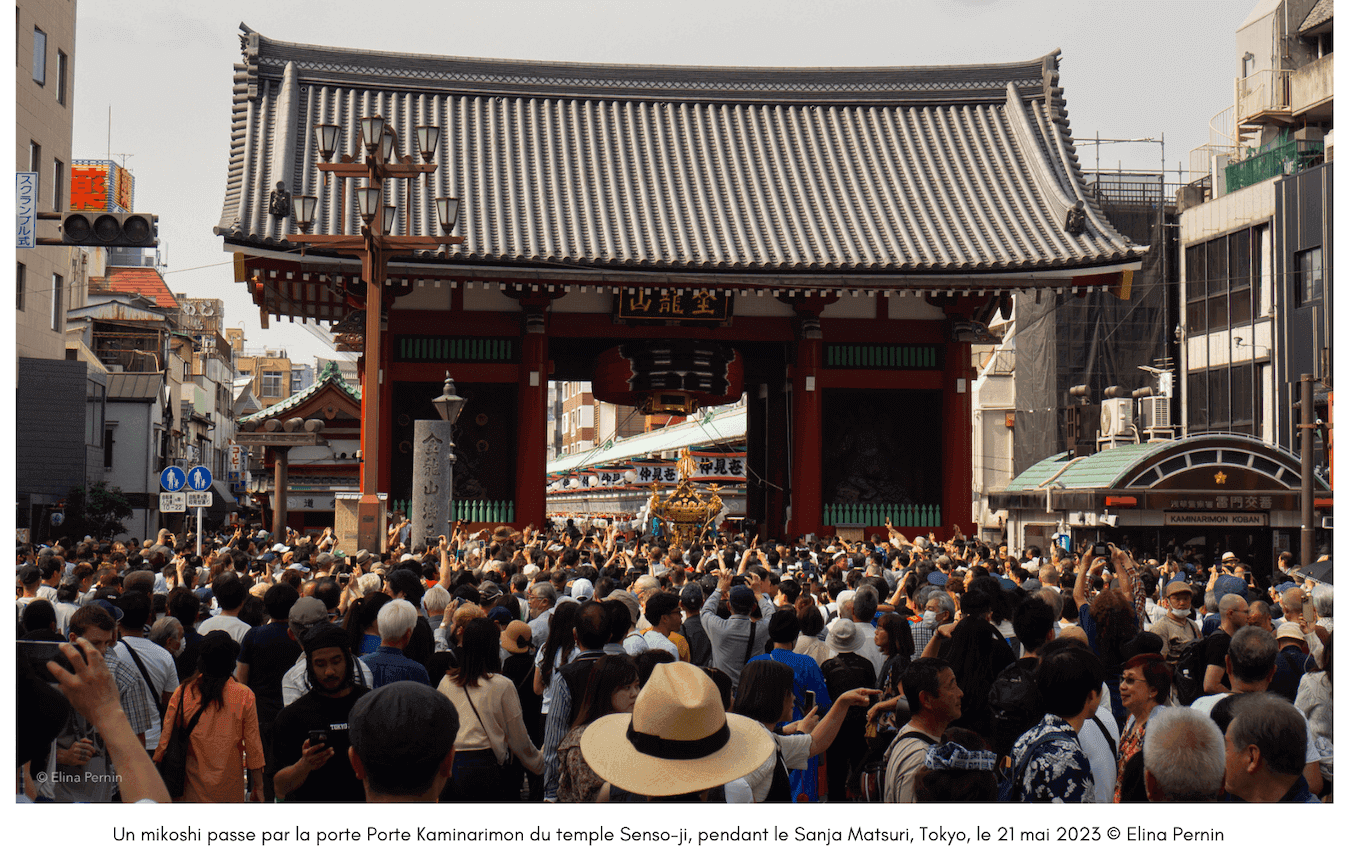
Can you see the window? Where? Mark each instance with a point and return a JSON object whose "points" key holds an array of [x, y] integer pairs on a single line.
{"points": [[62, 66], [18, 284], [1223, 281], [58, 185], [35, 160], [39, 57], [271, 385], [1228, 398], [58, 302], [108, 432], [1308, 276]]}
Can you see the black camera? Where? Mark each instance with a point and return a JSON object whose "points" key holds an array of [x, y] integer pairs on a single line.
{"points": [[1101, 549]]}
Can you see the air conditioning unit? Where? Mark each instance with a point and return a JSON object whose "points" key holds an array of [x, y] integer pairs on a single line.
{"points": [[1155, 412], [1117, 418]]}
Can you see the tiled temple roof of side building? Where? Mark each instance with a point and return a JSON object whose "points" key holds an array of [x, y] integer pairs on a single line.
{"points": [[137, 281], [330, 375], [670, 169]]}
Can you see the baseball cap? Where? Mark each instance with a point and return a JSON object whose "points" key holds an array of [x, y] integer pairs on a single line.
{"points": [[307, 611], [634, 609], [113, 611], [937, 578], [741, 597], [582, 589], [1289, 631]]}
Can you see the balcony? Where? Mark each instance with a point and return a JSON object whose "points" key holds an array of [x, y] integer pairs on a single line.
{"points": [[1285, 157], [1263, 99], [1311, 90]]}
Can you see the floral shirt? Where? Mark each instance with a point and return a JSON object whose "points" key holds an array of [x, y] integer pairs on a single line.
{"points": [[1051, 764]]}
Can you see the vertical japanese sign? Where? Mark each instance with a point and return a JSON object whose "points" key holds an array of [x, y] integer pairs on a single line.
{"points": [[25, 207]]}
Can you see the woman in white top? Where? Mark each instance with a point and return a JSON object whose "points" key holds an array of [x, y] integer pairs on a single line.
{"points": [[765, 695], [1314, 700], [809, 643], [491, 728]]}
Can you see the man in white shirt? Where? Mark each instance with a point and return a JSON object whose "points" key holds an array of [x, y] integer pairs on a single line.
{"points": [[662, 612], [229, 593], [150, 660]]}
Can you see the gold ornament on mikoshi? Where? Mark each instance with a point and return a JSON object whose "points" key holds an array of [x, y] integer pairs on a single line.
{"points": [[685, 510]]}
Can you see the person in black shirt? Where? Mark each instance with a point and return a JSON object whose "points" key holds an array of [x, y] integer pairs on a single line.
{"points": [[313, 768]]}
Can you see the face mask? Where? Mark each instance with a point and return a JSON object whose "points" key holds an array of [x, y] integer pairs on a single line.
{"points": [[1181, 612], [929, 615]]}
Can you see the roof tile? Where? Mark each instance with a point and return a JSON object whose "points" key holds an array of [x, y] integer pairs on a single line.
{"points": [[142, 281], [934, 170]]}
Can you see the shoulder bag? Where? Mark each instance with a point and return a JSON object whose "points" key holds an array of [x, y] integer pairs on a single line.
{"points": [[172, 765]]}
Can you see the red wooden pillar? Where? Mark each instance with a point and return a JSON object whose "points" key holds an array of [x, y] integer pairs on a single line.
{"points": [[806, 427], [386, 409], [956, 441], [532, 419]]}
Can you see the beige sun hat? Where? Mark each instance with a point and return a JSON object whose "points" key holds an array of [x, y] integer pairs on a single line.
{"points": [[678, 740]]}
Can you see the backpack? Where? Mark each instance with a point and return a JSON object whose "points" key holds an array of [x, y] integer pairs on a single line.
{"points": [[1189, 678], [1016, 705]]}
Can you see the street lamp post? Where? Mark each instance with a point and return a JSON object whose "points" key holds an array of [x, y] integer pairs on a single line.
{"points": [[374, 246]]}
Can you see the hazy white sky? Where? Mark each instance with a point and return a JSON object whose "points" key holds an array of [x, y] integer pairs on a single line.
{"points": [[1130, 68]]}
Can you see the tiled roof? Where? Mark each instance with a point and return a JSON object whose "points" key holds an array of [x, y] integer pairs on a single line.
{"points": [[142, 281], [890, 171], [1319, 14], [134, 386], [330, 375]]}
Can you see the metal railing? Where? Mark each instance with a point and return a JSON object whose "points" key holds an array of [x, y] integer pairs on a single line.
{"points": [[1262, 92], [1284, 157], [875, 514], [471, 511]]}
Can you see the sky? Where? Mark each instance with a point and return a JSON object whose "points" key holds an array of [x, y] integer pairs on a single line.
{"points": [[1130, 69]]}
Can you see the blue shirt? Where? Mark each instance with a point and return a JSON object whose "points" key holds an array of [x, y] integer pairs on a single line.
{"points": [[806, 675], [1053, 767], [388, 665]]}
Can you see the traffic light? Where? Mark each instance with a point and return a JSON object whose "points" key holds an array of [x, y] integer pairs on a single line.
{"points": [[109, 229]]}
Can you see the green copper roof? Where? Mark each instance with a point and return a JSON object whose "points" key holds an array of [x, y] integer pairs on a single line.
{"points": [[330, 375], [1095, 471], [1107, 468]]}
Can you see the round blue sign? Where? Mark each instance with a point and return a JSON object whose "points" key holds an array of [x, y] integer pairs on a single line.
{"points": [[199, 478], [172, 479]]}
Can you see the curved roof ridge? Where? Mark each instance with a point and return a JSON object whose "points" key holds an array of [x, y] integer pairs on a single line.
{"points": [[1068, 152], [330, 376], [833, 84]]}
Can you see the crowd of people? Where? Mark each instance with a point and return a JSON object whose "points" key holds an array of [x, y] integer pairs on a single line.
{"points": [[610, 666]]}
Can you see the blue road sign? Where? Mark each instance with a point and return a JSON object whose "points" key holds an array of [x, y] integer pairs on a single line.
{"points": [[172, 479], [199, 478]]}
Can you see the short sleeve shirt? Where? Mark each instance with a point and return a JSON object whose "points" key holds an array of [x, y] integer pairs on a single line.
{"points": [[1216, 650], [796, 752]]}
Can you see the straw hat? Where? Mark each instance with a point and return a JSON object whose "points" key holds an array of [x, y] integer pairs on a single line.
{"points": [[678, 740]]}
